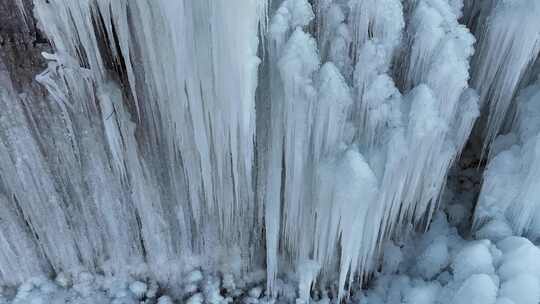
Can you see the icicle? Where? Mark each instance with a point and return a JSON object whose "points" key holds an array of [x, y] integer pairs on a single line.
{"points": [[427, 156], [437, 69], [381, 21], [297, 65], [347, 189], [307, 271], [330, 136], [290, 15]]}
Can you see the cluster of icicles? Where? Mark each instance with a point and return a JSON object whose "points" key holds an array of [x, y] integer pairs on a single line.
{"points": [[296, 135]]}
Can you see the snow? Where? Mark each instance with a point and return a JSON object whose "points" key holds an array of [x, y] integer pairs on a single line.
{"points": [[478, 288], [424, 294], [519, 258], [523, 288], [473, 259], [494, 230], [480, 271], [434, 259]]}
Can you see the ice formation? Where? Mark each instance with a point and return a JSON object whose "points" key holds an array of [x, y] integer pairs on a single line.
{"points": [[197, 142]]}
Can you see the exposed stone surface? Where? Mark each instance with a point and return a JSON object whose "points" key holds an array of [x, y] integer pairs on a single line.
{"points": [[21, 44]]}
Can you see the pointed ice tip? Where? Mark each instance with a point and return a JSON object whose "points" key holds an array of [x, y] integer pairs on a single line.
{"points": [[49, 56]]}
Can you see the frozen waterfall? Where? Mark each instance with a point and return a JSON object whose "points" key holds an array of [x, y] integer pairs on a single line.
{"points": [[294, 137]]}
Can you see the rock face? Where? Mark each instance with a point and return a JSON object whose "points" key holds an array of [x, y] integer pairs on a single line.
{"points": [[21, 44]]}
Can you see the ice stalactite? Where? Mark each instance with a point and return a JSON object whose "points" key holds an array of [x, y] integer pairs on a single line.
{"points": [[401, 164], [314, 143], [410, 193], [348, 188], [434, 73]]}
